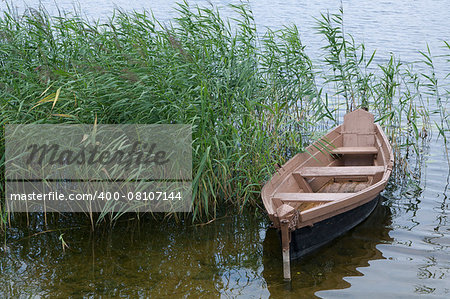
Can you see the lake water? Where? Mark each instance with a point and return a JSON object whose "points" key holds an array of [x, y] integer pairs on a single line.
{"points": [[402, 250], [402, 27]]}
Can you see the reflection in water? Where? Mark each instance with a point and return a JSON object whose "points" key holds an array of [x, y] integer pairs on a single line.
{"points": [[232, 256], [138, 259], [327, 267]]}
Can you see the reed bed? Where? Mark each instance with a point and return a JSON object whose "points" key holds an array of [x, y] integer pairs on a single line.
{"points": [[254, 100]]}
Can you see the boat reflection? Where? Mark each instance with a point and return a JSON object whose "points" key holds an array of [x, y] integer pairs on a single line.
{"points": [[327, 267]]}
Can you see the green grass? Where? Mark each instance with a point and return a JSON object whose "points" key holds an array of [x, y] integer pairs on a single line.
{"points": [[253, 100]]}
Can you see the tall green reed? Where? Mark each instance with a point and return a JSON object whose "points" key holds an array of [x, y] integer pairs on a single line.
{"points": [[253, 101]]}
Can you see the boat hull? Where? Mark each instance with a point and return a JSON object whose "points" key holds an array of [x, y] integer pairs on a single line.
{"points": [[331, 187], [308, 239]]}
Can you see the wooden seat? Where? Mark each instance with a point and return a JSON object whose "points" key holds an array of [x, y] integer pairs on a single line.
{"points": [[355, 150], [340, 171], [311, 197]]}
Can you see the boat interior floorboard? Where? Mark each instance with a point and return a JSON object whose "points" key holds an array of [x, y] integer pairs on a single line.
{"points": [[343, 187]]}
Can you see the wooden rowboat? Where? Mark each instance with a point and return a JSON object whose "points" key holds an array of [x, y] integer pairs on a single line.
{"points": [[329, 189]]}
